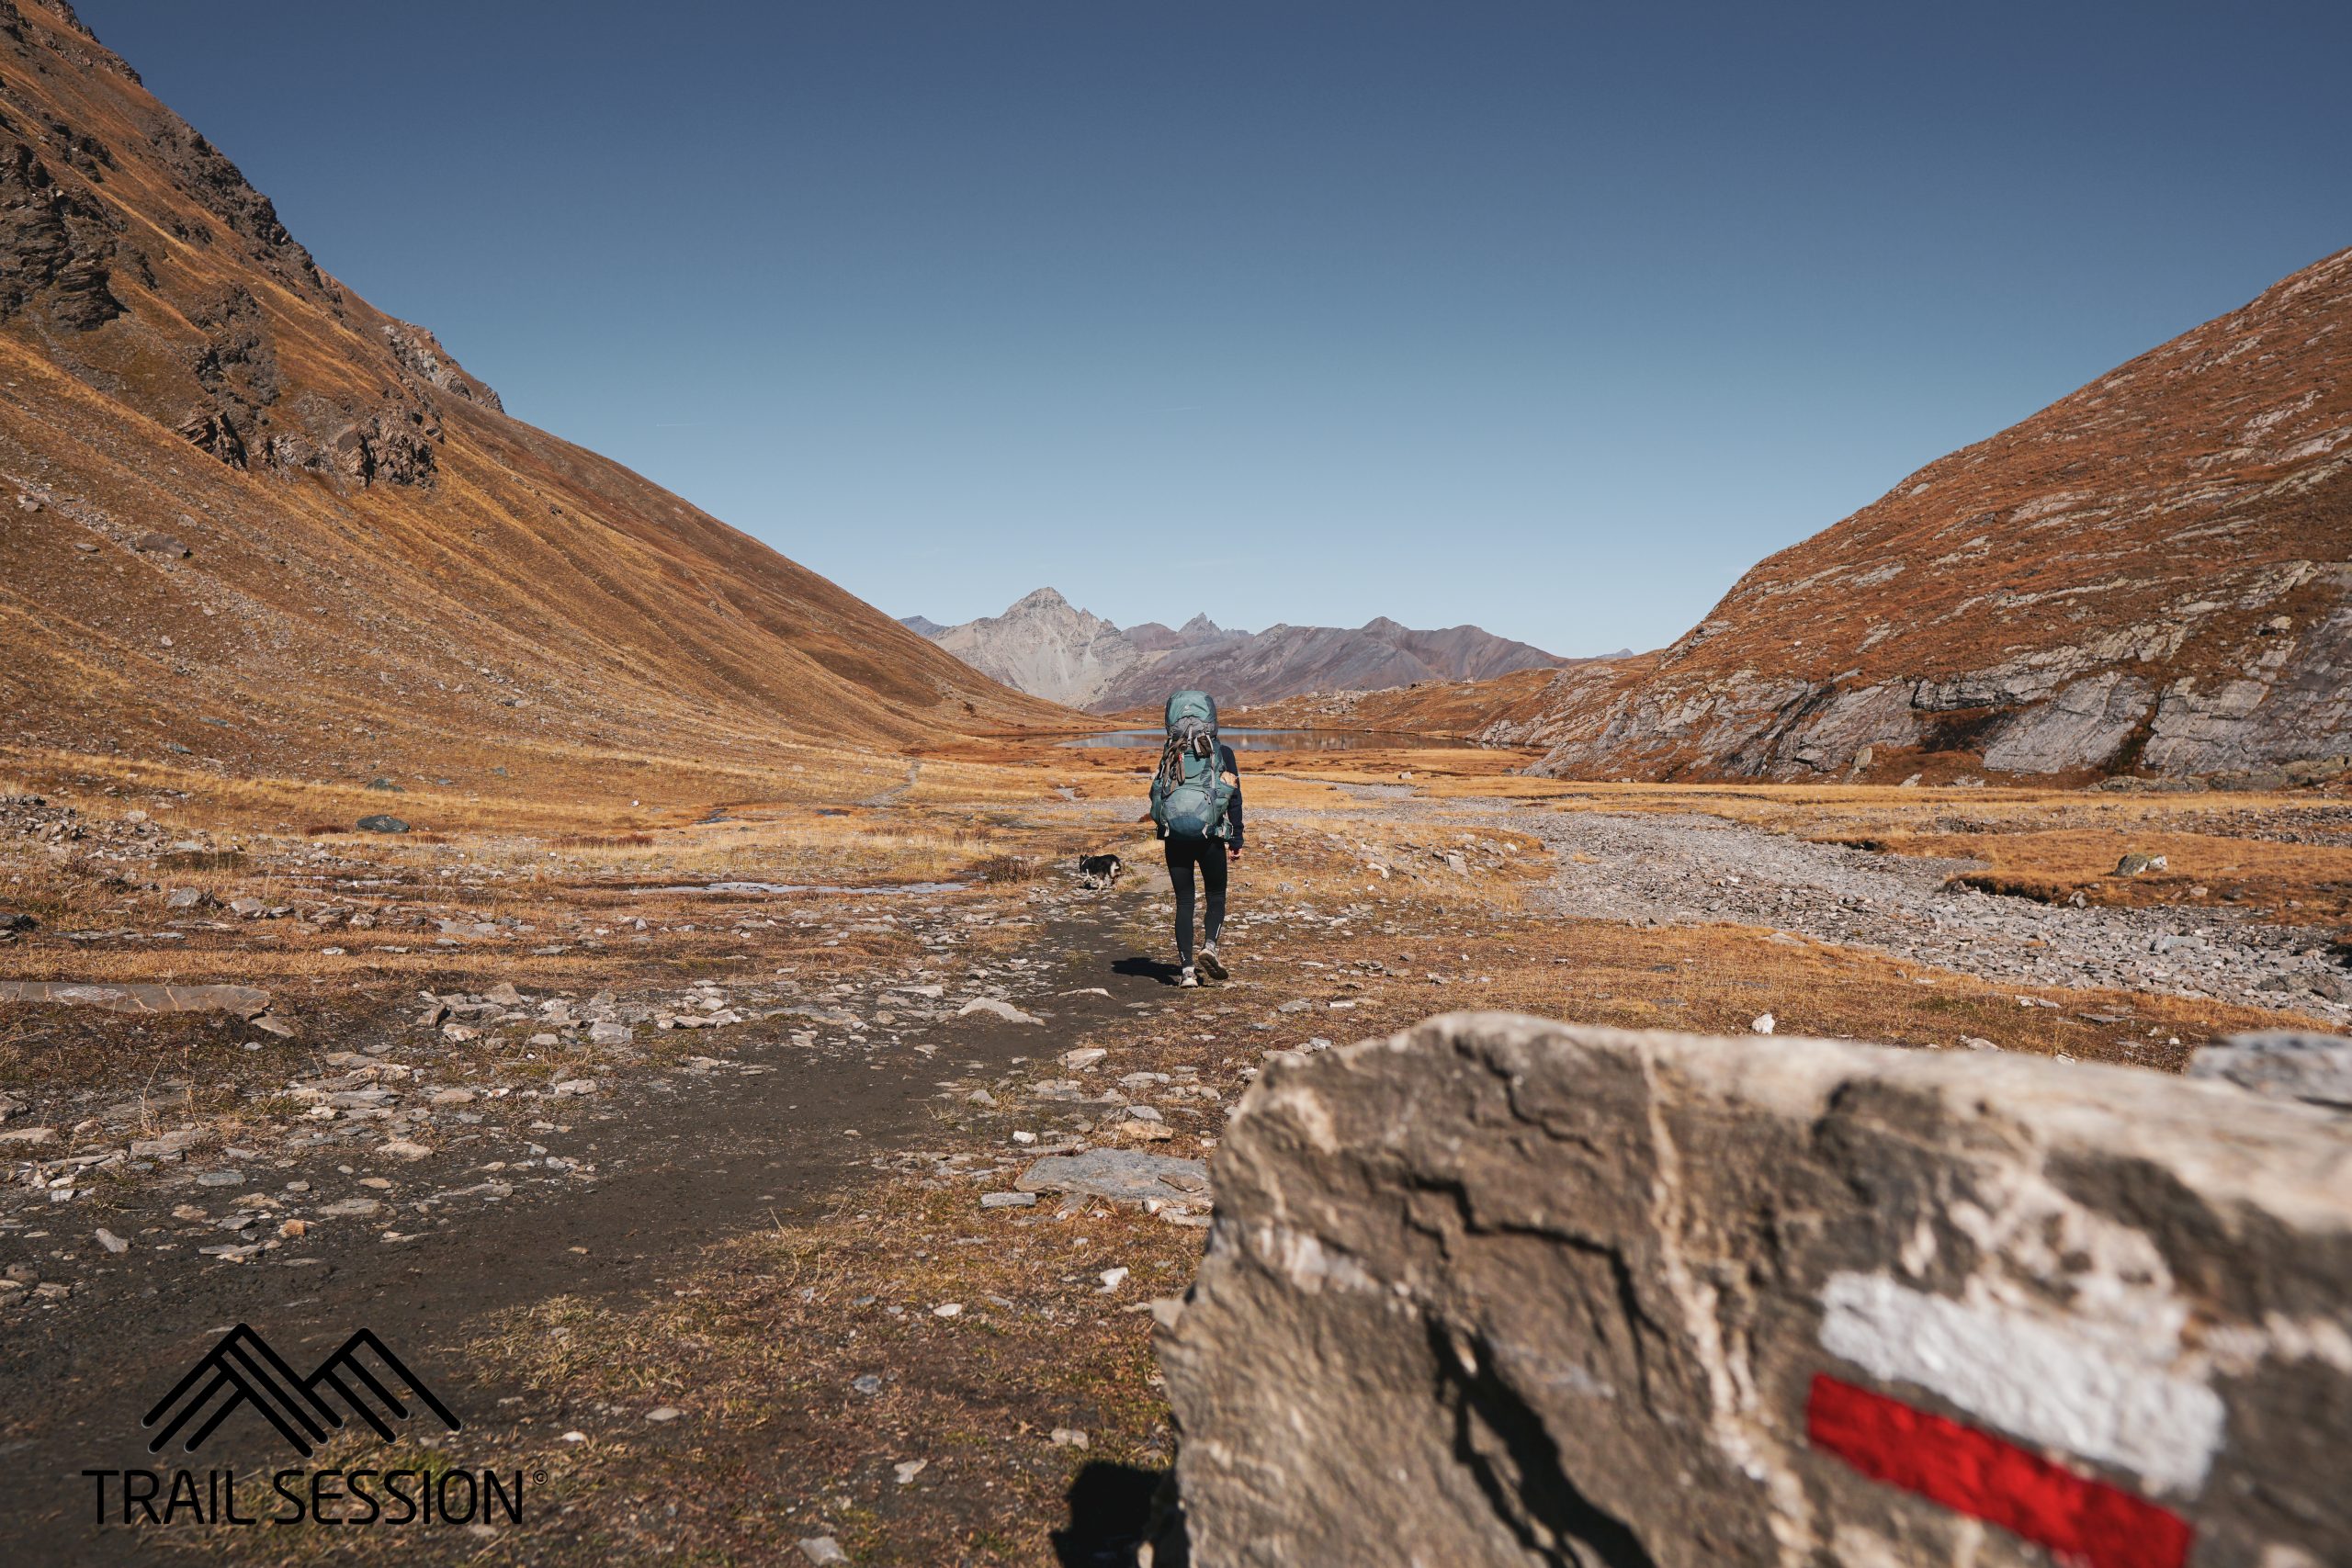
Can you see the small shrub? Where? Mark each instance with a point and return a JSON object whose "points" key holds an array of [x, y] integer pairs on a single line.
{"points": [[202, 860], [1004, 869]]}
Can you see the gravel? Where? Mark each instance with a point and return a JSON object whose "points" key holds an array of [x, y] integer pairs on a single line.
{"points": [[1671, 869]]}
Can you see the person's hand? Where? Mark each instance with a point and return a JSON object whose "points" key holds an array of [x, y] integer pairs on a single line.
{"points": [[1234, 853]]}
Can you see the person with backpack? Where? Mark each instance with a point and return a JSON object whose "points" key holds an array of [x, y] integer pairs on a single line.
{"points": [[1196, 807]]}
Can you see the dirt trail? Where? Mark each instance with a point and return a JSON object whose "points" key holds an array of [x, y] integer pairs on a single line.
{"points": [[676, 1170]]}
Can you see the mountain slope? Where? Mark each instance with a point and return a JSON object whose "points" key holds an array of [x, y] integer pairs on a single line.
{"points": [[2155, 571], [367, 558], [1044, 645], [1284, 662]]}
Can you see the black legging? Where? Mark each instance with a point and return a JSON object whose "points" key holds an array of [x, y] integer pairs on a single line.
{"points": [[1209, 855]]}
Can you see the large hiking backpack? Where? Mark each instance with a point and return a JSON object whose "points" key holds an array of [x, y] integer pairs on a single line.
{"points": [[1189, 791]]}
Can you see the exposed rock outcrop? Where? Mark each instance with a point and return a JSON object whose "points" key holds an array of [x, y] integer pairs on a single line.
{"points": [[56, 244], [421, 354], [2152, 573], [1499, 1291]]}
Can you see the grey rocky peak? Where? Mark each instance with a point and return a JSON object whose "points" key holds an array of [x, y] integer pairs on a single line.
{"points": [[1044, 645]]}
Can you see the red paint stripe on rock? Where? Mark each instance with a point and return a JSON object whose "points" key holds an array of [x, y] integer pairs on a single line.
{"points": [[1992, 1479]]}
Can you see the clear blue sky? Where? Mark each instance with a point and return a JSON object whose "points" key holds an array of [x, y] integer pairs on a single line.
{"points": [[1550, 316]]}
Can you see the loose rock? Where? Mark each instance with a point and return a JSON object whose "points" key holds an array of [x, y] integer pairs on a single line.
{"points": [[1127, 1175]]}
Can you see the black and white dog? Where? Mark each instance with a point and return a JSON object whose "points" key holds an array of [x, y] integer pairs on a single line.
{"points": [[1100, 871]]}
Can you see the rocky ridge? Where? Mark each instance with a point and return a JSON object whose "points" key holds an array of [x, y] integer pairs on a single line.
{"points": [[1045, 647]]}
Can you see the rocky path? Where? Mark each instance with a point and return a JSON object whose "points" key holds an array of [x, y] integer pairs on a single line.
{"points": [[676, 1160], [1670, 869], [1689, 868]]}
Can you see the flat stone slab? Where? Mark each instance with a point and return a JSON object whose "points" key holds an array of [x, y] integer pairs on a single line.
{"points": [[1503, 1291], [1123, 1175], [244, 1001], [995, 1008]]}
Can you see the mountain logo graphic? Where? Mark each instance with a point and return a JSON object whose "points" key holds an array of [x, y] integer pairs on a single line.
{"points": [[243, 1369]]}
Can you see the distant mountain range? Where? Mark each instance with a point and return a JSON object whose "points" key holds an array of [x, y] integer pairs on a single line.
{"points": [[1046, 646]]}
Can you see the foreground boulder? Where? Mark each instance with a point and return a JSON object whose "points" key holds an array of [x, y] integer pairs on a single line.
{"points": [[1498, 1290]]}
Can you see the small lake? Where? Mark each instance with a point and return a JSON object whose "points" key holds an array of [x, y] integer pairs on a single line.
{"points": [[1275, 740]]}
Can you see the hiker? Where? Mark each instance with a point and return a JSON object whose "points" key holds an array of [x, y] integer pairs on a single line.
{"points": [[1196, 807]]}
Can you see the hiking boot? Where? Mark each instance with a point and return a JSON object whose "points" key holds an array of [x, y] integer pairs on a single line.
{"points": [[1188, 979], [1211, 965]]}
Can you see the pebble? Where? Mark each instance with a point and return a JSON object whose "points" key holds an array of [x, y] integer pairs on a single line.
{"points": [[996, 1008], [1008, 1200], [823, 1551], [664, 1412], [908, 1469]]}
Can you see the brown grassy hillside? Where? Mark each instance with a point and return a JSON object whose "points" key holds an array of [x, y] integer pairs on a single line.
{"points": [[2153, 573], [365, 564]]}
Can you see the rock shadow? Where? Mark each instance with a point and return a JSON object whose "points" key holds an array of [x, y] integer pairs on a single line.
{"points": [[1111, 1513]]}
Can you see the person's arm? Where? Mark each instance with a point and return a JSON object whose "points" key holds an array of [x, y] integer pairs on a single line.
{"points": [[1233, 806]]}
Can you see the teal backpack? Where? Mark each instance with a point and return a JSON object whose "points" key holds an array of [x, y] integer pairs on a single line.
{"points": [[1189, 792]]}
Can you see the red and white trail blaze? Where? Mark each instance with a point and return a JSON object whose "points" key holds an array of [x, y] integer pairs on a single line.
{"points": [[1992, 1479]]}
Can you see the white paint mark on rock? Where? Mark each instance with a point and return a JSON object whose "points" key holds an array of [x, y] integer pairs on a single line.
{"points": [[2042, 1377]]}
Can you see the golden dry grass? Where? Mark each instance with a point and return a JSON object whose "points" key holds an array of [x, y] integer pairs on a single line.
{"points": [[757, 1340]]}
